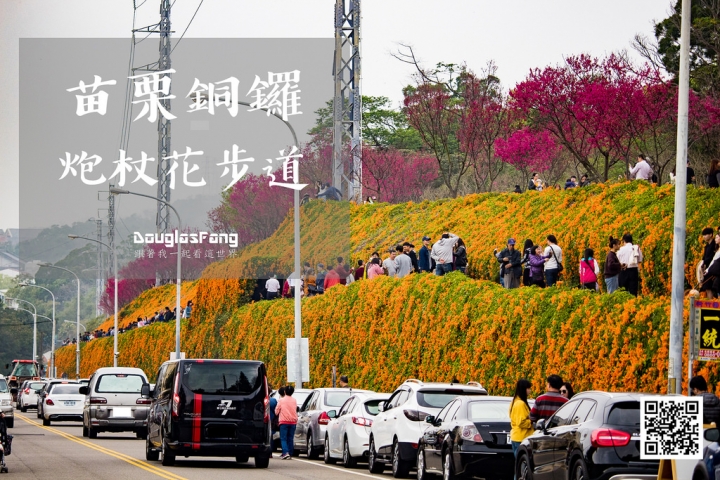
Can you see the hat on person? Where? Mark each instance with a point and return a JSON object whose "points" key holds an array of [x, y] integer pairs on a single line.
{"points": [[426, 238], [511, 241]]}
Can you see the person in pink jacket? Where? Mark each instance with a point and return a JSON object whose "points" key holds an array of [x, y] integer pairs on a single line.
{"points": [[286, 412]]}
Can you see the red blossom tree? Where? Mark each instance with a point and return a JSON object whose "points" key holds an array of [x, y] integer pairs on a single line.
{"points": [[529, 151], [394, 176]]}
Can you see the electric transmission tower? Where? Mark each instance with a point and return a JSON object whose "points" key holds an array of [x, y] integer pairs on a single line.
{"points": [[347, 102]]}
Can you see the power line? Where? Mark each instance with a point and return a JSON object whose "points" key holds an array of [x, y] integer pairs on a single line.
{"points": [[188, 25]]}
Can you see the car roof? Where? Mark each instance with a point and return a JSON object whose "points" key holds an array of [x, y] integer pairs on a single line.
{"points": [[342, 389], [371, 396], [618, 396], [104, 370]]}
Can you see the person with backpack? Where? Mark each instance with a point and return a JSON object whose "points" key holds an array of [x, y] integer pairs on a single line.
{"points": [[589, 270]]}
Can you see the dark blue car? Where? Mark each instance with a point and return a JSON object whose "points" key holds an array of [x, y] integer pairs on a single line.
{"points": [[707, 468]]}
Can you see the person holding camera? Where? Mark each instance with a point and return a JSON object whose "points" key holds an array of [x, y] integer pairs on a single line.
{"points": [[511, 261]]}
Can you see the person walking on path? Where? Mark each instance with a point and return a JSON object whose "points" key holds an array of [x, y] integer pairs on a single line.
{"points": [[520, 424], [612, 266], [442, 253], [553, 261], [274, 425], [548, 403], [589, 270], [630, 257], [511, 270], [286, 411]]}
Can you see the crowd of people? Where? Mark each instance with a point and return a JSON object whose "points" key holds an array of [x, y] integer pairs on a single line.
{"points": [[542, 265], [448, 254]]}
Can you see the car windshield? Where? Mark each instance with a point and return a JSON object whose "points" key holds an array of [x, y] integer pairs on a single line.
{"points": [[66, 389], [373, 406], [3, 386], [300, 397], [489, 411], [625, 413], [336, 399], [440, 398], [119, 383], [36, 385], [24, 370], [222, 378]]}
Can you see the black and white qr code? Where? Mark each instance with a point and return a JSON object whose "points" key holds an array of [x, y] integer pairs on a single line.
{"points": [[671, 428]]}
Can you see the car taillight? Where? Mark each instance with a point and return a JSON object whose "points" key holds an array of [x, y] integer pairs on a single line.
{"points": [[12, 377], [362, 421], [97, 401], [266, 403], [176, 398], [323, 419], [605, 437], [27, 390], [143, 401], [49, 402], [470, 432], [415, 415]]}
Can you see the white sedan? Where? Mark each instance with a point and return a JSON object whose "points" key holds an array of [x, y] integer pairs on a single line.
{"points": [[63, 403], [347, 435]]}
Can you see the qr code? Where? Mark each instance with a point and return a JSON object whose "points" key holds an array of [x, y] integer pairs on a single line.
{"points": [[671, 428]]}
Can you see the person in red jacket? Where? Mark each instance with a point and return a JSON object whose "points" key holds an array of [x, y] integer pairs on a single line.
{"points": [[332, 278], [286, 412]]}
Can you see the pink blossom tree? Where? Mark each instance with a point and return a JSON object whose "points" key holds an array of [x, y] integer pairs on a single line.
{"points": [[394, 176]]}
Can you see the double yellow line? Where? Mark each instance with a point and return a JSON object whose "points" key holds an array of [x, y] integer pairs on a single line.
{"points": [[121, 456]]}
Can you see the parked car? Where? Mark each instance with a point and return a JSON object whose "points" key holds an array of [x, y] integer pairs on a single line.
{"points": [[313, 418], [22, 370], [113, 402], [46, 390], [63, 403], [218, 408], [396, 429], [28, 394], [707, 468], [300, 394], [595, 435], [469, 438], [6, 399], [347, 436]]}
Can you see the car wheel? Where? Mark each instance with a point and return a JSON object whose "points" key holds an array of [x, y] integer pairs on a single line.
{"points": [[400, 467], [151, 454], [168, 456], [242, 458], [46, 422], [421, 472], [142, 433], [85, 431], [262, 462], [10, 422], [326, 454], [579, 471], [524, 471], [373, 464], [348, 460], [92, 433], [23, 408], [448, 470], [312, 453]]}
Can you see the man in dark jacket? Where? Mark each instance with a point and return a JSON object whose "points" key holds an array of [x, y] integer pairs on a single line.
{"points": [[511, 261], [425, 263], [407, 250], [711, 403]]}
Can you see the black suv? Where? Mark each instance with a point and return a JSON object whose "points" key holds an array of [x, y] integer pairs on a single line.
{"points": [[214, 408], [594, 436]]}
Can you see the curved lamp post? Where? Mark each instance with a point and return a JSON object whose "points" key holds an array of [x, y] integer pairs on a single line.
{"points": [[115, 293], [52, 345], [34, 314], [77, 335]]}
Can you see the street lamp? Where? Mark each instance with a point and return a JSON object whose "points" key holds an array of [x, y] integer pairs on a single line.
{"points": [[34, 314], [115, 293], [120, 191], [70, 321], [52, 345], [77, 336]]}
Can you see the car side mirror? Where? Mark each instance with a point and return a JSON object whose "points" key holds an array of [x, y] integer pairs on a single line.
{"points": [[540, 425], [332, 414], [712, 434], [83, 390], [13, 391], [144, 390], [381, 407], [430, 419], [297, 409]]}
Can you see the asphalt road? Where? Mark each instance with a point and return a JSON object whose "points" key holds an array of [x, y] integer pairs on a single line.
{"points": [[60, 452]]}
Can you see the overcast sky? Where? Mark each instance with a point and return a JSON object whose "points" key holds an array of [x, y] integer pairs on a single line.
{"points": [[517, 35]]}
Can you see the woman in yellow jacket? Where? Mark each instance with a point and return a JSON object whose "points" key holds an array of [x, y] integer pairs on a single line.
{"points": [[520, 424]]}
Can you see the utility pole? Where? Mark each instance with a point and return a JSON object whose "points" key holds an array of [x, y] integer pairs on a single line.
{"points": [[680, 223], [347, 102], [111, 229], [99, 283], [163, 192]]}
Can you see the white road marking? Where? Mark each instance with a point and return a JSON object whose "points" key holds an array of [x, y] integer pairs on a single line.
{"points": [[344, 470]]}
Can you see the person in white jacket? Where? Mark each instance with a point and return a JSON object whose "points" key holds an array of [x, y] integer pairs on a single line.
{"points": [[442, 253]]}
